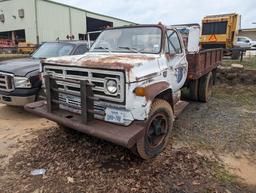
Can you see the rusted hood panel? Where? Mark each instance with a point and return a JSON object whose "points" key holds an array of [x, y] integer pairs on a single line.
{"points": [[135, 65], [103, 61]]}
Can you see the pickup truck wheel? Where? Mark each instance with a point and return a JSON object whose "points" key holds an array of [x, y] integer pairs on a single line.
{"points": [[205, 87], [193, 90], [157, 130]]}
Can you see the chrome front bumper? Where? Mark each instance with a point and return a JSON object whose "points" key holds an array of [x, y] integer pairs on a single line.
{"points": [[16, 100]]}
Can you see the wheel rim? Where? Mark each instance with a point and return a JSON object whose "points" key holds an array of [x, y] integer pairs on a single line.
{"points": [[157, 130]]}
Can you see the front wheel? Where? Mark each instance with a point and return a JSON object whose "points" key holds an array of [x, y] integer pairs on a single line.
{"points": [[157, 130], [193, 90]]}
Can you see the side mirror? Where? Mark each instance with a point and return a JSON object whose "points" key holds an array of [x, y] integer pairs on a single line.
{"points": [[193, 40]]}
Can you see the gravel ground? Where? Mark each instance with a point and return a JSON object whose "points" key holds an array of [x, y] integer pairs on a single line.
{"points": [[78, 163], [75, 162], [226, 124]]}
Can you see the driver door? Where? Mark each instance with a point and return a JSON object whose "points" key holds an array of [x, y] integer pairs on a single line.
{"points": [[177, 63]]}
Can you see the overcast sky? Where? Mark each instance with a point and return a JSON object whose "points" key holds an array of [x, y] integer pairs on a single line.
{"points": [[169, 11]]}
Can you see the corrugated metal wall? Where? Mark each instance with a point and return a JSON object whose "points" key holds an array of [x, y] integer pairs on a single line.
{"points": [[12, 20], [54, 20], [249, 34]]}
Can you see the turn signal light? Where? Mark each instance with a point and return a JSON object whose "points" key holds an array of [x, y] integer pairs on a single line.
{"points": [[190, 77], [139, 91]]}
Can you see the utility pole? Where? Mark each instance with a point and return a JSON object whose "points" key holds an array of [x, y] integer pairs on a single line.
{"points": [[36, 22]]}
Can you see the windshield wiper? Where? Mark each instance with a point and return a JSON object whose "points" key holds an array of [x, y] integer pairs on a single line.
{"points": [[40, 58], [128, 48], [103, 48]]}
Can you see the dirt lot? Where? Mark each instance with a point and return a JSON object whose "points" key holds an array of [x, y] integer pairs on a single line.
{"points": [[214, 151]]}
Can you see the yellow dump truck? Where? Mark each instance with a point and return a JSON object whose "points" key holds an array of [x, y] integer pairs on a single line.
{"points": [[220, 31]]}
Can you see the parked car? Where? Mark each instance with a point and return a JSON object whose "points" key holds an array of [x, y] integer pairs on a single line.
{"points": [[20, 80], [245, 42]]}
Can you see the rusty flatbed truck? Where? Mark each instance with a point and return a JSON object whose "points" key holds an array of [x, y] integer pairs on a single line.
{"points": [[127, 88]]}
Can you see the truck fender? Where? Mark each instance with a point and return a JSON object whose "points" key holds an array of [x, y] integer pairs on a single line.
{"points": [[160, 90]]}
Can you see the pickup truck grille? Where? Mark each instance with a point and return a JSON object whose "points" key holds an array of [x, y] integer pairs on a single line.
{"points": [[6, 82], [96, 77]]}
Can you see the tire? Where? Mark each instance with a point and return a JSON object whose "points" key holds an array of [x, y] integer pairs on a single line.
{"points": [[193, 90], [205, 87], [155, 138], [214, 75]]}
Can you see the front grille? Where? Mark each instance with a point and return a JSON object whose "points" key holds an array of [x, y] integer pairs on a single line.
{"points": [[96, 77], [76, 105], [6, 82]]}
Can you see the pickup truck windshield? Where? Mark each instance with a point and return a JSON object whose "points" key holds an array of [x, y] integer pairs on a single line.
{"points": [[48, 50], [129, 40]]}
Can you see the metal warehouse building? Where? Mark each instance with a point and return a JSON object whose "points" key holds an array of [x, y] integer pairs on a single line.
{"points": [[250, 33], [36, 21]]}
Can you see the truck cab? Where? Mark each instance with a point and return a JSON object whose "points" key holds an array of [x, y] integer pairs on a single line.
{"points": [[126, 89]]}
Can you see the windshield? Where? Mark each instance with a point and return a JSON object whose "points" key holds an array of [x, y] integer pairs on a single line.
{"points": [[48, 50], [135, 39]]}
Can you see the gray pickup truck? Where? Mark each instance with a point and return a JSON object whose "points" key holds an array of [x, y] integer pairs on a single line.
{"points": [[20, 80]]}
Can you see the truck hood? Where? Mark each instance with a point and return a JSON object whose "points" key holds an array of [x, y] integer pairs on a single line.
{"points": [[20, 67], [135, 65]]}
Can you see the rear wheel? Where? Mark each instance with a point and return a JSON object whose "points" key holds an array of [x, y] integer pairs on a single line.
{"points": [[205, 87], [193, 90], [157, 130]]}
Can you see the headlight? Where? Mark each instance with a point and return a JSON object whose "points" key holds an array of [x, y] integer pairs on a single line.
{"points": [[22, 82], [111, 86]]}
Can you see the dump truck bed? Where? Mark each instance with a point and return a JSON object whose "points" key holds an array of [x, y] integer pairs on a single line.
{"points": [[202, 62]]}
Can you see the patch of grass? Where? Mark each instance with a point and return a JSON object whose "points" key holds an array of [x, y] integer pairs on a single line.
{"points": [[236, 94], [219, 172], [222, 175]]}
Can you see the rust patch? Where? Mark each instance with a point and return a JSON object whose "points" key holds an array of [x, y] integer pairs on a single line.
{"points": [[169, 56], [153, 90], [103, 63], [115, 61], [123, 62]]}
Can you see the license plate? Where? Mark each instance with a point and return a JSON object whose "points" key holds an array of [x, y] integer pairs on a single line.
{"points": [[115, 116]]}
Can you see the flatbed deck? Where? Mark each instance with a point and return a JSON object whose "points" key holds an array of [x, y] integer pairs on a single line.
{"points": [[203, 62]]}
